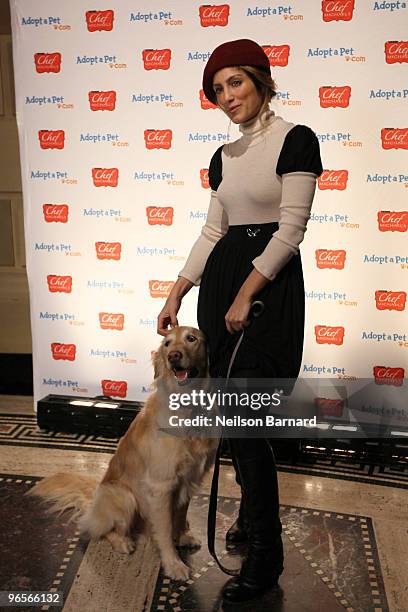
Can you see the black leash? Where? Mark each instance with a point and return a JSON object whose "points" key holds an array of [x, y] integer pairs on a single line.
{"points": [[255, 311]]}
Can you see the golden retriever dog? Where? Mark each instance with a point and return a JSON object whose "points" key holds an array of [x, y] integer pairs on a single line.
{"points": [[152, 474]]}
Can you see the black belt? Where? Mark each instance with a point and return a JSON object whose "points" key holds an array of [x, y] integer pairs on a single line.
{"points": [[255, 311]]}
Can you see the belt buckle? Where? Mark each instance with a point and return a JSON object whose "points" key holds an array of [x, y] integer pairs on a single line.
{"points": [[252, 233]]}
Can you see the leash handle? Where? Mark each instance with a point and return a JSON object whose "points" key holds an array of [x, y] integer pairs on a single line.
{"points": [[255, 311]]}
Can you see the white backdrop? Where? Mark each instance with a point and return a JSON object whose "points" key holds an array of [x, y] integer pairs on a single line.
{"points": [[115, 140]]}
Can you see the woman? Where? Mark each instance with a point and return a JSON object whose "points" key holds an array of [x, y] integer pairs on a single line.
{"points": [[262, 190]]}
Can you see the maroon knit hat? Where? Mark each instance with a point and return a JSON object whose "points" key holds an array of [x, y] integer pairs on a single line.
{"points": [[242, 52]]}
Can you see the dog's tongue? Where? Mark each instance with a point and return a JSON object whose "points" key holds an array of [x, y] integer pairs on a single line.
{"points": [[181, 374]]}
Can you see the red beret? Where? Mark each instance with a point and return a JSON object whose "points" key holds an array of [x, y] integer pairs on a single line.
{"points": [[242, 52]]}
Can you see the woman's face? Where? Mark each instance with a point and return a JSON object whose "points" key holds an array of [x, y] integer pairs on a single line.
{"points": [[236, 94]]}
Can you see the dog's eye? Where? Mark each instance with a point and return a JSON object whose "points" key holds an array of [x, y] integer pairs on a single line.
{"points": [[191, 338], [167, 343]]}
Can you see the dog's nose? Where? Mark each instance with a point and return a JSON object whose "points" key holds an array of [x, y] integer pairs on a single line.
{"points": [[174, 356]]}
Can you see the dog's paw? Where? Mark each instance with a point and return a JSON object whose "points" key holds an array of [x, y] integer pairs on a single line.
{"points": [[129, 546], [188, 540], [122, 544], [176, 569]]}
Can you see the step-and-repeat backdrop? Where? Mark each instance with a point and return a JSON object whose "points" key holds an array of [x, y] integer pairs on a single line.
{"points": [[116, 138]]}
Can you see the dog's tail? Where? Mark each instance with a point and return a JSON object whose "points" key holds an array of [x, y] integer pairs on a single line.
{"points": [[113, 507], [97, 508], [66, 492]]}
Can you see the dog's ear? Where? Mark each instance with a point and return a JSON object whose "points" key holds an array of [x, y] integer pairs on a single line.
{"points": [[158, 362]]}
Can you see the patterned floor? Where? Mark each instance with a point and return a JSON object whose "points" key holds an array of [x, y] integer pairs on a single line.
{"points": [[39, 552], [332, 558], [49, 559], [310, 538], [22, 430]]}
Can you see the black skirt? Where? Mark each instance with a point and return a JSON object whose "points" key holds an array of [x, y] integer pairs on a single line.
{"points": [[273, 344]]}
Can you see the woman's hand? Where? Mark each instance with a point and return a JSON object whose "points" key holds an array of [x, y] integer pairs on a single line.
{"points": [[168, 315], [237, 316]]}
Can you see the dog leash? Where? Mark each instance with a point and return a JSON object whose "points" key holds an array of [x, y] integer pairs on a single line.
{"points": [[255, 311]]}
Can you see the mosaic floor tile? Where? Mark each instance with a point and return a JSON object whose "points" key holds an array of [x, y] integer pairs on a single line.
{"points": [[40, 552], [329, 558]]}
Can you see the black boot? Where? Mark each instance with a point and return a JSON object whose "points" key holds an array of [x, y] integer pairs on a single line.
{"points": [[238, 532], [264, 560]]}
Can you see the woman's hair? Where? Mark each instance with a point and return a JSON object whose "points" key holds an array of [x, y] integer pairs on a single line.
{"points": [[264, 83]]}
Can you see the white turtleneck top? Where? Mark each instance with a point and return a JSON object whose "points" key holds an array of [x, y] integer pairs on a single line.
{"points": [[268, 174]]}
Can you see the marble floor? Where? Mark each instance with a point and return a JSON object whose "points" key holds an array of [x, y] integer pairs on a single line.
{"points": [[345, 535]]}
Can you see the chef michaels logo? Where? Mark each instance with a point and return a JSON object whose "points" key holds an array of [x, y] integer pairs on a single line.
{"points": [[333, 179], [156, 59], [205, 102], [114, 388], [326, 334], [278, 55], [108, 250], [47, 62], [98, 21], [394, 138], [329, 407], [328, 258], [102, 100], [111, 320], [160, 289], [158, 139], [205, 182], [63, 352], [396, 51], [214, 15], [105, 177], [59, 284], [55, 213], [388, 376], [160, 215], [337, 10], [392, 221], [390, 300], [51, 139], [335, 97]]}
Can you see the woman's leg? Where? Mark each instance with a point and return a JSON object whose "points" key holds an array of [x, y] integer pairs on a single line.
{"points": [[255, 463], [238, 532]]}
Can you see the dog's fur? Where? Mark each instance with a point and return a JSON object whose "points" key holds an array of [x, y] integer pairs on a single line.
{"points": [[151, 475]]}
